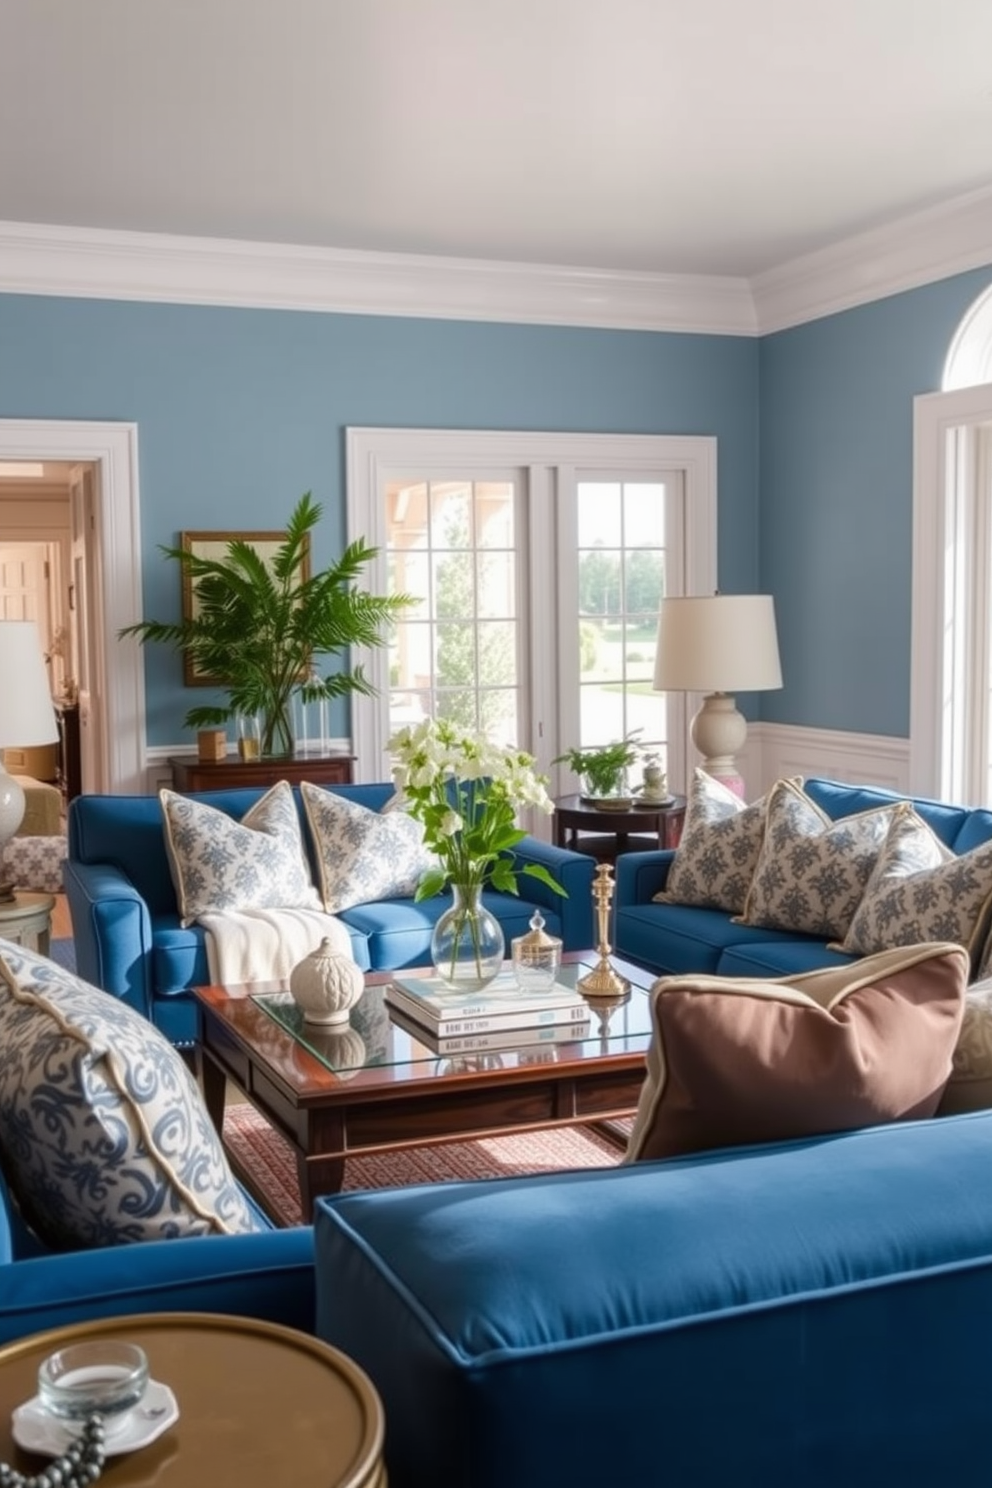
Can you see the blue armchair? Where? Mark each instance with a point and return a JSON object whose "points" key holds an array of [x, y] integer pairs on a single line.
{"points": [[267, 1275]]}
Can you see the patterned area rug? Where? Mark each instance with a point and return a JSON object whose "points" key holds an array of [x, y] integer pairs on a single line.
{"points": [[265, 1162]]}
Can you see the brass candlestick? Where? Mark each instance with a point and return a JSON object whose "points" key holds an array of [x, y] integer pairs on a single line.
{"points": [[604, 981]]}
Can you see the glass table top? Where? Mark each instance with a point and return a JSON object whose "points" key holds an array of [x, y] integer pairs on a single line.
{"points": [[377, 1035]]}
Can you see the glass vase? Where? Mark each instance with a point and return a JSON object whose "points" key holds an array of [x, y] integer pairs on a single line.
{"points": [[277, 732], [467, 944]]}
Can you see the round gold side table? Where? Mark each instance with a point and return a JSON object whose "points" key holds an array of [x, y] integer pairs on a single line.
{"points": [[259, 1404], [28, 921]]}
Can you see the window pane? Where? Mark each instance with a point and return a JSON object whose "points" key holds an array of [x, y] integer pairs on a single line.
{"points": [[454, 655], [496, 584], [451, 514], [621, 581], [599, 514]]}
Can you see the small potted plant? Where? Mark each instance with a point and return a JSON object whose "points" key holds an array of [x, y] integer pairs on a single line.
{"points": [[603, 769]]}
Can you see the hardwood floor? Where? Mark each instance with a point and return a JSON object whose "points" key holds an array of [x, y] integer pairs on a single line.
{"points": [[61, 923]]}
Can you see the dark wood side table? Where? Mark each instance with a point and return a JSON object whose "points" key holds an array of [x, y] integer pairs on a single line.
{"points": [[605, 834], [259, 1404], [192, 774]]}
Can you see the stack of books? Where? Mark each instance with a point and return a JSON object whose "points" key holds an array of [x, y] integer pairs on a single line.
{"points": [[501, 1016]]}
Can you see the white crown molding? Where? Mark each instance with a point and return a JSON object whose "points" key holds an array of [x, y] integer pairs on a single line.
{"points": [[93, 263], [96, 263], [919, 249]]}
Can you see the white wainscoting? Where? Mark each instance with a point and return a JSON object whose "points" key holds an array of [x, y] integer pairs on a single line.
{"points": [[772, 751], [777, 750]]}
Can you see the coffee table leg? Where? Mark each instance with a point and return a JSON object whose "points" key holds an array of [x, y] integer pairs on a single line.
{"points": [[317, 1175], [213, 1082]]}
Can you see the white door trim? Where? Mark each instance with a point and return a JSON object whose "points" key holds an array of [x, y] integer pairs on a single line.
{"points": [[113, 449]]}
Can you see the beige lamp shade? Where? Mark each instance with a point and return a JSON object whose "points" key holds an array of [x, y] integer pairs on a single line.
{"points": [[717, 643]]}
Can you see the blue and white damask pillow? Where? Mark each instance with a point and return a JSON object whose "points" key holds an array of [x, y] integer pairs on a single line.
{"points": [[812, 871], [919, 891], [104, 1136], [219, 864], [718, 850], [362, 855]]}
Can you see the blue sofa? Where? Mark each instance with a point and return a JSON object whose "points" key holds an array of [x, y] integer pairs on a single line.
{"points": [[807, 1314], [127, 931], [266, 1275], [673, 939]]}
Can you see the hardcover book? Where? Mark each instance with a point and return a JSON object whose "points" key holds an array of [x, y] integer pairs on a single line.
{"points": [[501, 1005], [504, 1038]]}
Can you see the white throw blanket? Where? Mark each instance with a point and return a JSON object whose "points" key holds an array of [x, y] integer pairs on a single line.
{"points": [[263, 945]]}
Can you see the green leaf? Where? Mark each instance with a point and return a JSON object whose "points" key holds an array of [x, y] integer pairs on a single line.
{"points": [[538, 870]]}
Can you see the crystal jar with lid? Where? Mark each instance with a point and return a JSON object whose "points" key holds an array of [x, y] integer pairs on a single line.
{"points": [[536, 956]]}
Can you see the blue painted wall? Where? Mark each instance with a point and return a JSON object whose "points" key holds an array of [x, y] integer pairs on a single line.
{"points": [[241, 411], [836, 501]]}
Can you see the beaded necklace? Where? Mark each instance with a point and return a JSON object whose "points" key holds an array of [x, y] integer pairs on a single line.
{"points": [[80, 1464]]}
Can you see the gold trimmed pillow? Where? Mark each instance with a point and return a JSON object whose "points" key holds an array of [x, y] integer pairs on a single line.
{"points": [[104, 1135], [811, 870], [218, 863], [919, 890], [718, 851], [735, 1060], [970, 1085], [362, 855]]}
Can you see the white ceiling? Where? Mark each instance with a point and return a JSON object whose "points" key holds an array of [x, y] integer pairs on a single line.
{"points": [[714, 137]]}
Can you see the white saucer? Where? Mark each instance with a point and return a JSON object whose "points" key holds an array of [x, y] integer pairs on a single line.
{"points": [[36, 1431], [654, 800]]}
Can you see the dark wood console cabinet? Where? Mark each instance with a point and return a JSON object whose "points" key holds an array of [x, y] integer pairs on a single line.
{"points": [[192, 774]]}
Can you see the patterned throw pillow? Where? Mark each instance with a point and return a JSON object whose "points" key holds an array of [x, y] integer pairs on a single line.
{"points": [[733, 1060], [970, 1085], [103, 1132], [718, 851], [363, 855], [218, 863], [812, 871], [919, 890]]}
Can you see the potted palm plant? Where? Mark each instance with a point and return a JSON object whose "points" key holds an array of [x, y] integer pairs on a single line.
{"points": [[261, 627]]}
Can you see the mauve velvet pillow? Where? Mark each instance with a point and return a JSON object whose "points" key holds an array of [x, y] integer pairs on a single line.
{"points": [[734, 1060]]}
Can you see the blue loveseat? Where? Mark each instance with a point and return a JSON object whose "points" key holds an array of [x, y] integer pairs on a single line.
{"points": [[673, 939], [126, 924]]}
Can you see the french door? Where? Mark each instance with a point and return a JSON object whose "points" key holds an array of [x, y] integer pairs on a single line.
{"points": [[535, 563]]}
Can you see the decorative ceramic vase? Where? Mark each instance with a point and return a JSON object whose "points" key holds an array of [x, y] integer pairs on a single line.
{"points": [[467, 945], [326, 985]]}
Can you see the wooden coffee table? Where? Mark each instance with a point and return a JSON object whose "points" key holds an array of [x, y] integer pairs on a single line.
{"points": [[399, 1093]]}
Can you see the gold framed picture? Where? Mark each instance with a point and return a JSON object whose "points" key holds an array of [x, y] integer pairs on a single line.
{"points": [[213, 545]]}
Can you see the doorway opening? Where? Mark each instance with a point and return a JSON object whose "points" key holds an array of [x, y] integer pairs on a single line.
{"points": [[104, 562]]}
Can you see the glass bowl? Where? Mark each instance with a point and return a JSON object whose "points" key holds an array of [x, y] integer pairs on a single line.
{"points": [[102, 1376]]}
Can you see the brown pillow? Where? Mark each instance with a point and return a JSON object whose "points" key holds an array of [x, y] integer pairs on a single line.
{"points": [[736, 1060]]}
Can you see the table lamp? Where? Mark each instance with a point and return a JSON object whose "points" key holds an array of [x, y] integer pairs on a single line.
{"points": [[718, 644], [27, 718]]}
